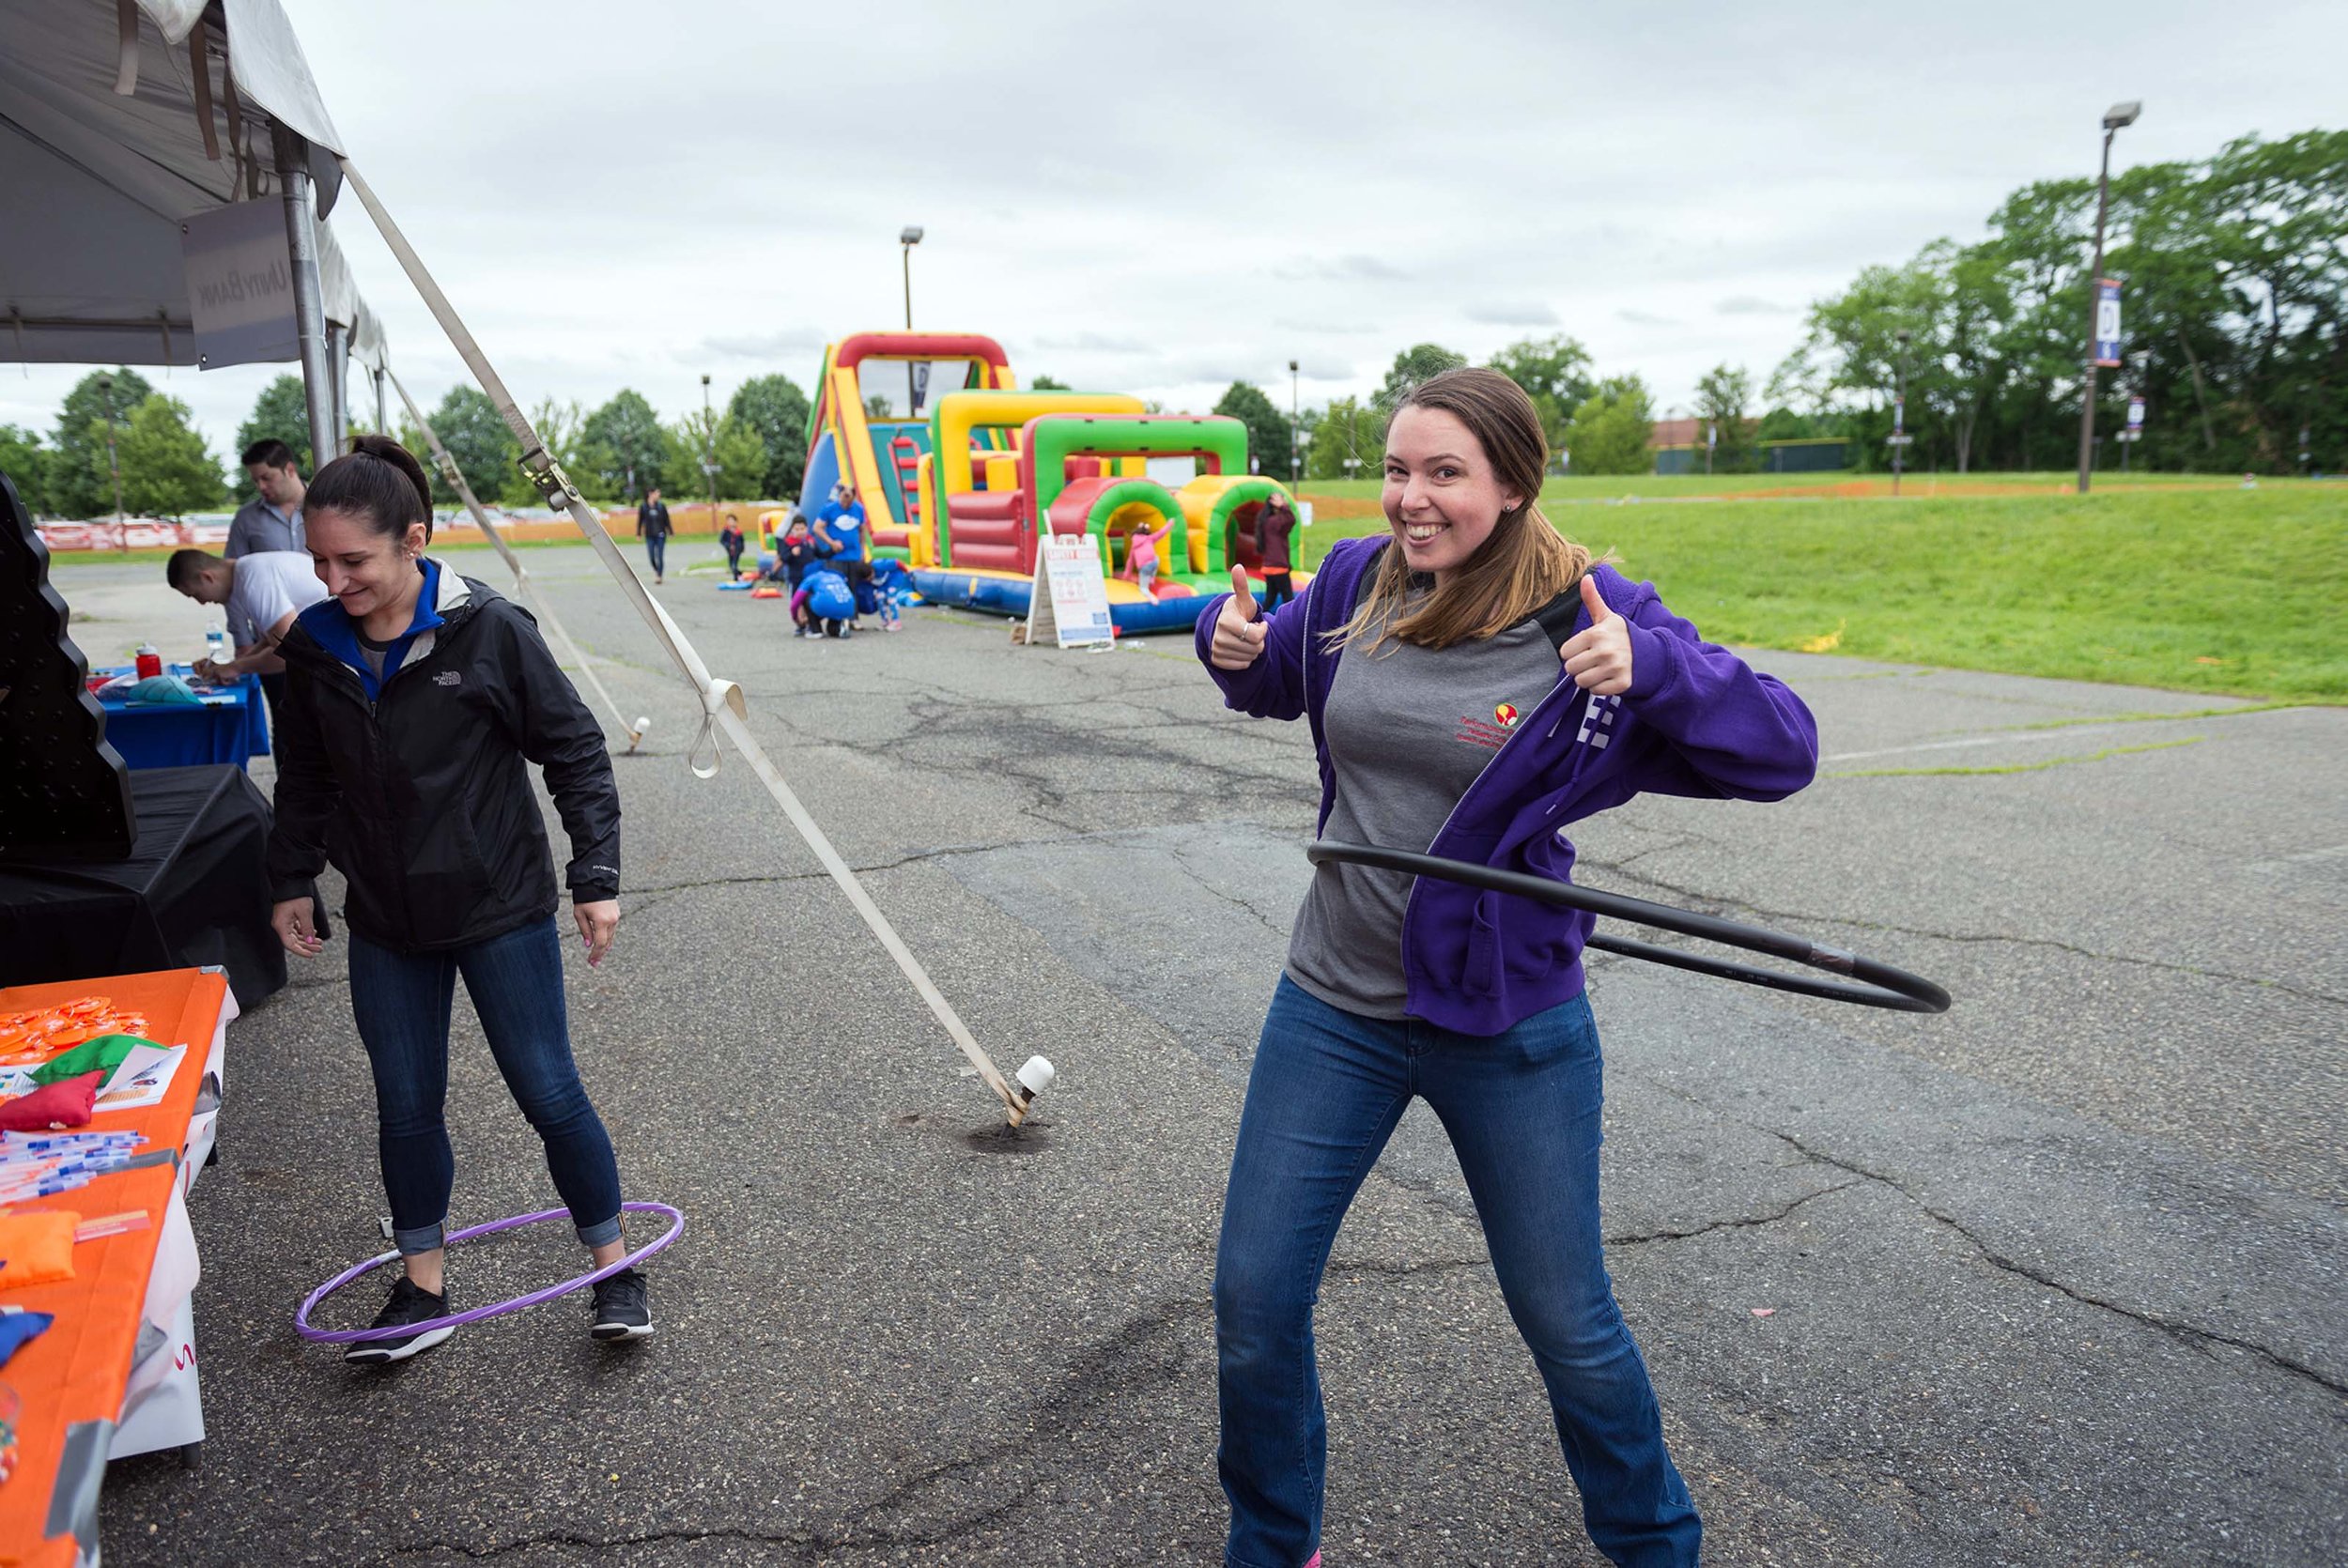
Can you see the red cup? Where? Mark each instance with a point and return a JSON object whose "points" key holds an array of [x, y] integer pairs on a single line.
{"points": [[150, 662]]}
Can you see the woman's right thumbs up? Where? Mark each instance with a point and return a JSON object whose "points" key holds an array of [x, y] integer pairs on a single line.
{"points": [[1239, 627]]}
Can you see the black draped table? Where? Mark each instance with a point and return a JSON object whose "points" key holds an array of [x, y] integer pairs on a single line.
{"points": [[194, 891]]}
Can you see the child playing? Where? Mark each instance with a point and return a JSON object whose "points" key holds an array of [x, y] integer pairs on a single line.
{"points": [[797, 552], [826, 603], [891, 588], [1141, 554]]}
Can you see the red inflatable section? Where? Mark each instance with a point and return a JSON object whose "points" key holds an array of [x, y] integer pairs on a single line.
{"points": [[987, 529], [856, 349], [1075, 504]]}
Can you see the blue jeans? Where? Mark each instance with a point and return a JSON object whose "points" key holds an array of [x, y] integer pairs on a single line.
{"points": [[657, 550], [1522, 1110], [402, 1001]]}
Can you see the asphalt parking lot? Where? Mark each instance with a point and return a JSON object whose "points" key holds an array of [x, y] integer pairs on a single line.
{"points": [[2055, 1278]]}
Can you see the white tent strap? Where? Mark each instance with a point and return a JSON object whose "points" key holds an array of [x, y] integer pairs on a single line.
{"points": [[541, 468], [721, 700], [125, 48], [738, 732], [512, 562]]}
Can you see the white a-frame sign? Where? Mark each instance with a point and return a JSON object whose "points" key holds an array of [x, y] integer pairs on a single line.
{"points": [[1069, 602]]}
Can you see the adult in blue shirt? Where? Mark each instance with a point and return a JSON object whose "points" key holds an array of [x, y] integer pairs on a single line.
{"points": [[843, 522]]}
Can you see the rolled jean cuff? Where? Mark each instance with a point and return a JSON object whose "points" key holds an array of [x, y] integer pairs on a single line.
{"points": [[601, 1233], [424, 1239]]}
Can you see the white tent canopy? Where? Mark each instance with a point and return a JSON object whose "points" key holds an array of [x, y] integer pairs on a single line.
{"points": [[119, 120]]}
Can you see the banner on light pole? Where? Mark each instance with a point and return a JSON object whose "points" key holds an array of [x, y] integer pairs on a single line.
{"points": [[2135, 413], [2107, 323]]}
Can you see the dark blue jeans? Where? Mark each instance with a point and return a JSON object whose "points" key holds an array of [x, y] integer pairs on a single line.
{"points": [[657, 550], [1522, 1110], [402, 1001]]}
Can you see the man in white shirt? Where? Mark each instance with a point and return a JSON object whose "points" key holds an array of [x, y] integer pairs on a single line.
{"points": [[263, 593], [274, 520]]}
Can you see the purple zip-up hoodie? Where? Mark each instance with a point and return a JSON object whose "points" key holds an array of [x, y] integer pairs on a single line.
{"points": [[1697, 720]]}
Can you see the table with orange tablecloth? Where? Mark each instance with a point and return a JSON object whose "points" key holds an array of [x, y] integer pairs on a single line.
{"points": [[118, 1367]]}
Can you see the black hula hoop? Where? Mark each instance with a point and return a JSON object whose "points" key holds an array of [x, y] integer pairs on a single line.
{"points": [[1871, 984]]}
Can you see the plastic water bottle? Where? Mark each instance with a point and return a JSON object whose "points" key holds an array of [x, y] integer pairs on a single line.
{"points": [[216, 645]]}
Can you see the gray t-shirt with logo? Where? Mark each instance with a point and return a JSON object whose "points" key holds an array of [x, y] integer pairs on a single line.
{"points": [[1408, 730]]}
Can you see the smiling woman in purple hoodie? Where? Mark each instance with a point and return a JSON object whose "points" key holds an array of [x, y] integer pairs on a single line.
{"points": [[1447, 719]]}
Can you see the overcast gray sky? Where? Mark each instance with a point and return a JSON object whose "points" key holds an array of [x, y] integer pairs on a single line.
{"points": [[1162, 198]]}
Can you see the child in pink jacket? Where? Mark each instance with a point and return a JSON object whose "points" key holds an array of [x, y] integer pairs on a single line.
{"points": [[1141, 554]]}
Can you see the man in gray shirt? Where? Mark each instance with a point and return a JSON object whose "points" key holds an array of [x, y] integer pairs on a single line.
{"points": [[272, 521]]}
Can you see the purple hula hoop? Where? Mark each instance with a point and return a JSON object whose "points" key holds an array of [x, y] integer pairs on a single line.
{"points": [[358, 1336]]}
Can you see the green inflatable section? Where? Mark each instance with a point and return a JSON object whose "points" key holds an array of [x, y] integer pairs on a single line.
{"points": [[1061, 437], [1135, 492], [995, 436], [1223, 519]]}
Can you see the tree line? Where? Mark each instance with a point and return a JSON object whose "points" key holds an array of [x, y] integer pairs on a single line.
{"points": [[114, 423], [2234, 277], [1604, 421]]}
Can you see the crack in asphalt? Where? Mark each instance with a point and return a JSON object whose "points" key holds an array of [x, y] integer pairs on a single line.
{"points": [[1181, 863], [940, 852], [1143, 1352], [1715, 904], [796, 1543], [1746, 1222], [2184, 1333]]}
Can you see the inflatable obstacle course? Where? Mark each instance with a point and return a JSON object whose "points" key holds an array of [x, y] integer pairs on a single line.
{"points": [[966, 496]]}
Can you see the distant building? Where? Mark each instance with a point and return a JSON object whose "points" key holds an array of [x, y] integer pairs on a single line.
{"points": [[1678, 445]]}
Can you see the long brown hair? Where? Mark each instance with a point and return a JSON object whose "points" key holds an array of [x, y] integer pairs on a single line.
{"points": [[1521, 566]]}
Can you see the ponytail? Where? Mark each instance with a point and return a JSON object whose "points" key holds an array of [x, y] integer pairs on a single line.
{"points": [[378, 480]]}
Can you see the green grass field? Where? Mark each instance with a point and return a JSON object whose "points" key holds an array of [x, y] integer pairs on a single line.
{"points": [[2182, 582], [2190, 584]]}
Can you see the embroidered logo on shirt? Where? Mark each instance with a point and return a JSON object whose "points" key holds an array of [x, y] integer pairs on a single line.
{"points": [[1483, 731], [1507, 715], [447, 678], [1598, 721]]}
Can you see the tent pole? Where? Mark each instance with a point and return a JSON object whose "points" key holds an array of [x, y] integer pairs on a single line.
{"points": [[382, 419], [338, 371], [301, 247], [724, 710]]}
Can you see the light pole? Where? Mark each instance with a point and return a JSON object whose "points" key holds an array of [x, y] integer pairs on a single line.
{"points": [[1899, 414], [709, 452], [908, 237], [114, 462], [2114, 117], [1296, 432]]}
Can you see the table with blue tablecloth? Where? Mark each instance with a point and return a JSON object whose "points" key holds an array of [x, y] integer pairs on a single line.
{"points": [[228, 725]]}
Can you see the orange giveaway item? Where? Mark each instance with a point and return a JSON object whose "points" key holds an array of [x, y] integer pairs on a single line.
{"points": [[29, 1038], [38, 1247]]}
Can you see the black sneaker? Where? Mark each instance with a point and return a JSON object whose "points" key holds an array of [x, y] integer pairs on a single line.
{"points": [[409, 1304], [623, 1307]]}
